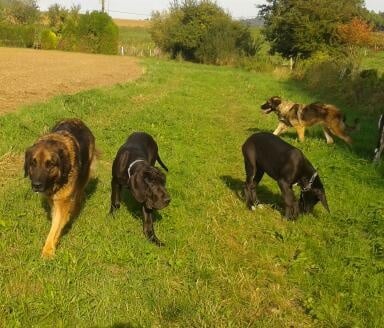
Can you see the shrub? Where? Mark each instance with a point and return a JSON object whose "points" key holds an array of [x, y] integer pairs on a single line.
{"points": [[21, 11], [94, 32], [17, 35], [341, 78], [201, 31], [48, 40], [58, 17]]}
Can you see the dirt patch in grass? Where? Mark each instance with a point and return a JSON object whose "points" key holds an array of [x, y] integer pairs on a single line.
{"points": [[29, 75]]}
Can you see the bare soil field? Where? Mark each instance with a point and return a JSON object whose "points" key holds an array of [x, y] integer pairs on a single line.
{"points": [[28, 75], [132, 22]]}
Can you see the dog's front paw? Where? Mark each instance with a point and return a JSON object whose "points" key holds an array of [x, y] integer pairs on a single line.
{"points": [[156, 241], [291, 213], [113, 208], [48, 252]]}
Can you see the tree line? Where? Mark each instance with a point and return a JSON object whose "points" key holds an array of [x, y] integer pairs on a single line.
{"points": [[22, 24]]}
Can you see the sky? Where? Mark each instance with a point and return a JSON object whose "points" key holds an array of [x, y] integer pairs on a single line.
{"points": [[142, 9]]}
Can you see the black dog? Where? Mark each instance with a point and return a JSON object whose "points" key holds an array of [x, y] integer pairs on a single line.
{"points": [[267, 153], [380, 141], [134, 167]]}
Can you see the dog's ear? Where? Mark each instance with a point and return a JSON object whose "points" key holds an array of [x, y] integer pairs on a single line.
{"points": [[138, 187], [27, 161], [276, 101], [323, 199], [64, 163]]}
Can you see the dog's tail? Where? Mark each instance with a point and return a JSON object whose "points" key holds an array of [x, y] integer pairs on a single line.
{"points": [[351, 128], [161, 163]]}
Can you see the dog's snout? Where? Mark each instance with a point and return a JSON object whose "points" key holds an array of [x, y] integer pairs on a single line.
{"points": [[37, 186], [167, 200]]}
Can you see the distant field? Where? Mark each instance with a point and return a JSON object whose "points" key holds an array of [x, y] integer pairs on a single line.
{"points": [[223, 265], [29, 75], [132, 22], [374, 60], [137, 40]]}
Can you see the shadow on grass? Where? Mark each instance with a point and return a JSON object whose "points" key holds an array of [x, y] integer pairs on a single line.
{"points": [[263, 193], [134, 207]]}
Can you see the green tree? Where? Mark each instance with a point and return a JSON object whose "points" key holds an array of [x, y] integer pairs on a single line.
{"points": [[21, 11], [302, 27], [94, 32], [58, 16], [201, 31]]}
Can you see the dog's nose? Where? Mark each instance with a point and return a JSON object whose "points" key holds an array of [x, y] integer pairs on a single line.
{"points": [[167, 200], [37, 186]]}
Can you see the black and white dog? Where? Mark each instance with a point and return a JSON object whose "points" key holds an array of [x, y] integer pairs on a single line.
{"points": [[134, 167], [380, 141], [267, 153]]}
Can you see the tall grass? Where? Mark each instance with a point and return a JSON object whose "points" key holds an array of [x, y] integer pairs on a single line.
{"points": [[136, 41], [223, 266]]}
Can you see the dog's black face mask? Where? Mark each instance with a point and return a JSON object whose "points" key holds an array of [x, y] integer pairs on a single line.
{"points": [[44, 165], [271, 104], [309, 198]]}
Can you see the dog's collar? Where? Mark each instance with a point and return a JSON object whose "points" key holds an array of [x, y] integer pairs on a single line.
{"points": [[310, 183], [131, 165]]}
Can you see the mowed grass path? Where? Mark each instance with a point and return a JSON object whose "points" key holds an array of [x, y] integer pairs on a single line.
{"points": [[223, 266]]}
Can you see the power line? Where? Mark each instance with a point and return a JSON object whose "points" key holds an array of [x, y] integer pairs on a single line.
{"points": [[129, 13]]}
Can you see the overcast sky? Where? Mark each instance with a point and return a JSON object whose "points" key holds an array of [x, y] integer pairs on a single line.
{"points": [[142, 9]]}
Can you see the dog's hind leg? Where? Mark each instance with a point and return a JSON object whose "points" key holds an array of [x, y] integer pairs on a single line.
{"points": [[339, 130], [327, 134], [281, 128], [380, 143], [148, 229], [250, 182], [378, 153], [291, 205], [61, 213]]}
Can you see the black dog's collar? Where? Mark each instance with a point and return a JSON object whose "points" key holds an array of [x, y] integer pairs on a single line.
{"points": [[131, 165], [311, 180]]}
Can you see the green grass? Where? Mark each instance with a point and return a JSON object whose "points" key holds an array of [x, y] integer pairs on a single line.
{"points": [[374, 60], [136, 41], [223, 266]]}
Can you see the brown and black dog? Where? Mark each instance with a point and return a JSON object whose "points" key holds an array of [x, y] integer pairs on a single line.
{"points": [[134, 167], [58, 165], [266, 153], [300, 116]]}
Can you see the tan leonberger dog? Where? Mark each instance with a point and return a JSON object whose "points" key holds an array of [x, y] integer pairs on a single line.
{"points": [[300, 116], [58, 165]]}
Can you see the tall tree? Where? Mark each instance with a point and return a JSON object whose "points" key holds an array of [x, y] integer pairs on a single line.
{"points": [[301, 27], [21, 11]]}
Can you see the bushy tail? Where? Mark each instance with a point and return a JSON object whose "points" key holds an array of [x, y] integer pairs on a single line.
{"points": [[161, 163]]}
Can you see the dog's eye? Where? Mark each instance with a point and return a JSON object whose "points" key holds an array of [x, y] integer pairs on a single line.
{"points": [[49, 164]]}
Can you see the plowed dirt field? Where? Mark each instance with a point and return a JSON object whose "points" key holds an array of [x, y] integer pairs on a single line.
{"points": [[28, 75]]}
